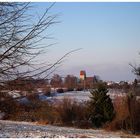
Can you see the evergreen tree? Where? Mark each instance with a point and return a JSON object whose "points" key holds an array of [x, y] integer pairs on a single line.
{"points": [[100, 106]]}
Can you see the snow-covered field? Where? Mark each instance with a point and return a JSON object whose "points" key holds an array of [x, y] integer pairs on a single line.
{"points": [[10, 129], [79, 96], [76, 95], [24, 129]]}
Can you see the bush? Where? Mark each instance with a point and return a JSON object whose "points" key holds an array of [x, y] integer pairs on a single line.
{"points": [[127, 115], [137, 117], [60, 90], [134, 112], [37, 111], [7, 105], [33, 97], [70, 89], [121, 119], [101, 109], [79, 89], [47, 91], [72, 113]]}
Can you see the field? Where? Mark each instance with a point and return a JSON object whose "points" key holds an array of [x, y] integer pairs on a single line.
{"points": [[15, 129], [79, 96], [11, 129]]}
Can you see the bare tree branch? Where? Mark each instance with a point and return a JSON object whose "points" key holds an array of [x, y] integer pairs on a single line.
{"points": [[21, 42]]}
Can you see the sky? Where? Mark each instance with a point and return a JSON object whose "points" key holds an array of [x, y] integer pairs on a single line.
{"points": [[108, 33]]}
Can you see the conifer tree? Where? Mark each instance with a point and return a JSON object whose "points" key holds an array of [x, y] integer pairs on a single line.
{"points": [[100, 106]]}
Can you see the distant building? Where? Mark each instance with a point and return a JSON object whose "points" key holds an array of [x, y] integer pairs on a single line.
{"points": [[109, 83], [82, 75], [89, 82], [86, 82]]}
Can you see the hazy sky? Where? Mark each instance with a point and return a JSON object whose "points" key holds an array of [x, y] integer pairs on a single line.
{"points": [[108, 33]]}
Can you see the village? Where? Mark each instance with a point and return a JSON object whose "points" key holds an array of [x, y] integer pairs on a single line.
{"points": [[59, 84]]}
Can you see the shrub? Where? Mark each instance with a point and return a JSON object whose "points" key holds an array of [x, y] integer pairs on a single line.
{"points": [[72, 113], [70, 89], [79, 89], [127, 115], [137, 117], [101, 108], [7, 105], [47, 91], [33, 96], [121, 119], [37, 111], [134, 112], [60, 90]]}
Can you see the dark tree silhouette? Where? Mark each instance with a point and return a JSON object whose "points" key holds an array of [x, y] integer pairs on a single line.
{"points": [[56, 81], [21, 38], [70, 82], [100, 106], [21, 41]]}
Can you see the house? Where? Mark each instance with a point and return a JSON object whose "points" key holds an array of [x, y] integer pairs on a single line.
{"points": [[89, 82]]}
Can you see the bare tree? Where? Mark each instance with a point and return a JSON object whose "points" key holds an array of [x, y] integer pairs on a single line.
{"points": [[56, 81], [135, 69], [21, 36], [70, 82], [19, 39]]}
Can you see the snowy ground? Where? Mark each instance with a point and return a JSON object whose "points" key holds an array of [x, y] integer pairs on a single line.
{"points": [[76, 95], [10, 129], [24, 129], [79, 96]]}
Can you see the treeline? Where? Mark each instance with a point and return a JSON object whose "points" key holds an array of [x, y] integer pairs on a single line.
{"points": [[70, 82]]}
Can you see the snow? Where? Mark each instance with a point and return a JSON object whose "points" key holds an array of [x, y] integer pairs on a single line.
{"points": [[80, 96], [14, 93], [12, 129], [76, 95], [24, 100], [33, 130]]}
